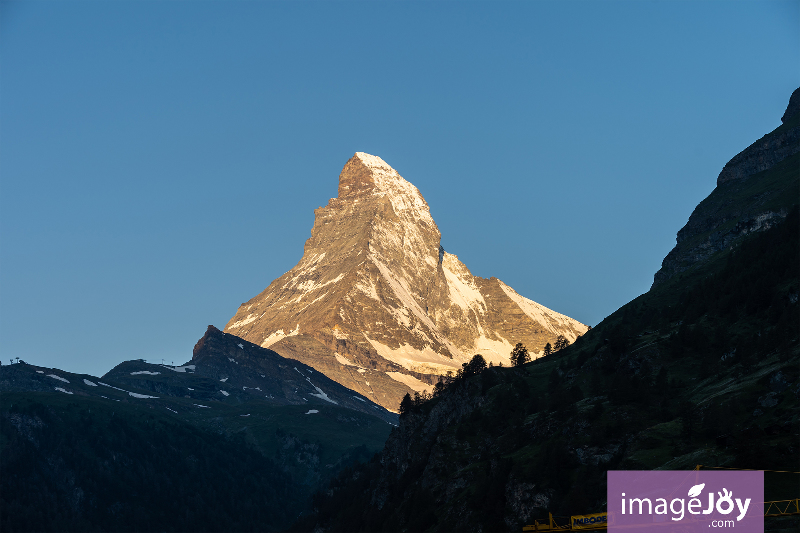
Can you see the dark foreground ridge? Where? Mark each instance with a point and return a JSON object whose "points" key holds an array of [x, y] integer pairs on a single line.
{"points": [[702, 369], [235, 440]]}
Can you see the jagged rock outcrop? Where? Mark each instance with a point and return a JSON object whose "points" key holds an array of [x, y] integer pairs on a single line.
{"points": [[794, 106], [381, 307], [752, 194]]}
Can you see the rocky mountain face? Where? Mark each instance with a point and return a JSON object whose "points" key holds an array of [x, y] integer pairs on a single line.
{"points": [[379, 306], [753, 190]]}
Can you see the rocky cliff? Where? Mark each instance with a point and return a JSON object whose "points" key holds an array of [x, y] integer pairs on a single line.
{"points": [[752, 194], [379, 306]]}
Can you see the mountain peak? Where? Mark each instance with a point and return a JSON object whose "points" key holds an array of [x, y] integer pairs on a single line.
{"points": [[794, 106], [374, 162], [369, 175], [386, 308]]}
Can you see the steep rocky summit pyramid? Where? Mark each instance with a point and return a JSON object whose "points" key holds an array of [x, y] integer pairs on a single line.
{"points": [[378, 305]]}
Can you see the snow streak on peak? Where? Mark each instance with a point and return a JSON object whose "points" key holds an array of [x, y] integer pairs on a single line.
{"points": [[552, 320], [374, 162], [385, 181]]}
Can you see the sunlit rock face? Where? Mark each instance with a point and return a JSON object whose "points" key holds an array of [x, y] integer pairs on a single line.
{"points": [[379, 306]]}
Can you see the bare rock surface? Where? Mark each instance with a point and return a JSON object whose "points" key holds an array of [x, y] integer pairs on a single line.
{"points": [[752, 194], [389, 310]]}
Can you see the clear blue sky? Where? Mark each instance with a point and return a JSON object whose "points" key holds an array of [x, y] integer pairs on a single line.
{"points": [[160, 161]]}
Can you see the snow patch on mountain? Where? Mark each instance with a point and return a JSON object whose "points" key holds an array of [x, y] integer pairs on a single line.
{"points": [[278, 335], [312, 285], [145, 396], [401, 290], [402, 194], [179, 368], [343, 360], [555, 322], [423, 360], [321, 394], [463, 291], [495, 351], [241, 323], [410, 381]]}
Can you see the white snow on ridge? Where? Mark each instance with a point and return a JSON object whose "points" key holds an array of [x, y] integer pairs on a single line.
{"points": [[90, 383], [312, 412], [62, 390], [367, 286], [59, 378], [135, 395], [495, 351], [111, 386], [224, 380], [278, 335], [311, 285], [224, 393], [400, 288], [243, 322], [343, 360], [403, 195], [425, 361], [179, 368], [557, 323], [40, 371], [145, 372], [410, 381], [198, 405], [320, 394], [462, 293], [141, 395]]}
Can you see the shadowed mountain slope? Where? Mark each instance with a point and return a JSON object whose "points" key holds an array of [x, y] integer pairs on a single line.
{"points": [[703, 369]]}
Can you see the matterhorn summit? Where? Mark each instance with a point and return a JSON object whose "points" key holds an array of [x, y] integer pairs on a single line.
{"points": [[378, 305]]}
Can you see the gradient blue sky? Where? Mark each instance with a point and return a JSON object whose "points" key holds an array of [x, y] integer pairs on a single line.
{"points": [[160, 161]]}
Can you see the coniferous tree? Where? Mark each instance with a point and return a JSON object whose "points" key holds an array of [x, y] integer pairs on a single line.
{"points": [[520, 355], [476, 365], [547, 349], [561, 343], [406, 404]]}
